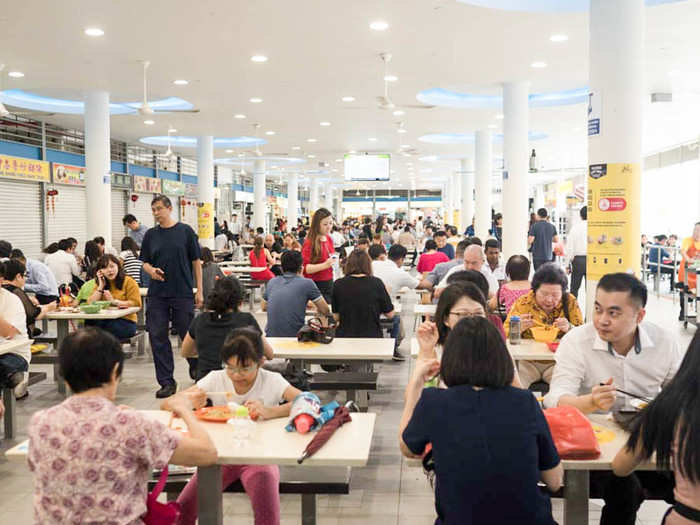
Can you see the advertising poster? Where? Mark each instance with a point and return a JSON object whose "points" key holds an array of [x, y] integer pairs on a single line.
{"points": [[146, 184], [205, 220], [613, 219], [24, 169], [171, 187], [67, 174]]}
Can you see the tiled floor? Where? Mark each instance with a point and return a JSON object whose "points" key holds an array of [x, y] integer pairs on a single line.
{"points": [[387, 491]]}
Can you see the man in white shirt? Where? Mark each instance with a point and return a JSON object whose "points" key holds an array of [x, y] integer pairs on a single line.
{"points": [[616, 350], [576, 248], [63, 263], [493, 265], [337, 237], [473, 260], [13, 326]]}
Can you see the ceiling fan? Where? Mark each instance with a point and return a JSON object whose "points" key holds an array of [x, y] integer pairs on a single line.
{"points": [[146, 110], [4, 112]]}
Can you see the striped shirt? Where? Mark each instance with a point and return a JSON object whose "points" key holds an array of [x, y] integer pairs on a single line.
{"points": [[132, 265]]}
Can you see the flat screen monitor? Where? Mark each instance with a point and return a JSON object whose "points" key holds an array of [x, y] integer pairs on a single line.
{"points": [[367, 166]]}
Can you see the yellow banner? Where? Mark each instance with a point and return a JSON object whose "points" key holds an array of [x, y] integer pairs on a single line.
{"points": [[205, 220], [614, 230], [24, 169]]}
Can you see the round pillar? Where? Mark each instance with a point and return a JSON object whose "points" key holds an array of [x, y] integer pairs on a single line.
{"points": [[292, 200], [205, 190], [313, 196], [98, 181], [466, 168], [483, 150], [259, 194]]}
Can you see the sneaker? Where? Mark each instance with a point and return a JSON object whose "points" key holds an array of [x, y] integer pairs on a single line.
{"points": [[21, 390], [16, 379], [167, 391], [398, 356]]}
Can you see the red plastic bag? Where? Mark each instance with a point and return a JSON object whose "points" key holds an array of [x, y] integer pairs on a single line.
{"points": [[572, 433], [158, 513]]}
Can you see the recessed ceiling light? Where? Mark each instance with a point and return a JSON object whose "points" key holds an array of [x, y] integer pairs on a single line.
{"points": [[180, 82], [15, 74], [311, 140], [269, 133], [391, 78], [296, 148], [256, 100], [239, 115], [401, 130], [398, 113], [172, 130], [539, 65], [94, 31], [348, 99], [258, 58], [379, 25], [492, 126], [311, 156], [324, 124], [559, 38], [372, 139], [500, 117], [149, 122]]}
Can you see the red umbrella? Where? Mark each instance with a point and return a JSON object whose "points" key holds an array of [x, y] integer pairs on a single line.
{"points": [[341, 416]]}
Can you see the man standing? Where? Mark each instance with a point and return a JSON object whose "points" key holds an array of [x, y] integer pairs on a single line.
{"points": [[540, 238], [235, 228], [171, 256], [576, 248], [137, 231], [493, 261]]}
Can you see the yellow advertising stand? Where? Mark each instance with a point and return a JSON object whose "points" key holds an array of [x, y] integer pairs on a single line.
{"points": [[205, 220], [614, 230]]}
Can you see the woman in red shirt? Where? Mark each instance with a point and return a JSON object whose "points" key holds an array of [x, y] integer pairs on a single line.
{"points": [[317, 251], [260, 257], [430, 257]]}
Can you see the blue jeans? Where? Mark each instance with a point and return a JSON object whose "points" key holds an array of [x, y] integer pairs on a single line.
{"points": [[396, 329], [159, 312], [11, 364], [119, 328]]}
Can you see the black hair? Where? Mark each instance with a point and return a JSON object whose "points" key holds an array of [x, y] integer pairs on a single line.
{"points": [[396, 252], [87, 357], [542, 213], [259, 230], [475, 354], [448, 298], [207, 256], [104, 261], [291, 261], [129, 245], [624, 282], [245, 344], [471, 276], [376, 250], [475, 240], [5, 248], [430, 244], [72, 240], [491, 243], [462, 246], [518, 268], [163, 199], [452, 230], [583, 213], [128, 219], [16, 253], [551, 273], [99, 240], [441, 233], [92, 253], [672, 420], [407, 229], [51, 248], [12, 268], [64, 244], [226, 295]]}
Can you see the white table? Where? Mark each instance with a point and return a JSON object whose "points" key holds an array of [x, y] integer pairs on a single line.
{"points": [[242, 269], [527, 350], [340, 349], [424, 309], [269, 445]]}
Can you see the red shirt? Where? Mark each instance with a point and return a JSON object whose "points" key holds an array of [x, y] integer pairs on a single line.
{"points": [[326, 251], [427, 261]]}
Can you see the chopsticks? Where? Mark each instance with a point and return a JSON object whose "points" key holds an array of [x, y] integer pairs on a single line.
{"points": [[630, 394]]}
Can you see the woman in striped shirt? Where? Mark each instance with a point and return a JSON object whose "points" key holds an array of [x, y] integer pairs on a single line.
{"points": [[130, 256]]}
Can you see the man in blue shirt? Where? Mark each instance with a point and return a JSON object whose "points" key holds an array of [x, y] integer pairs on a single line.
{"points": [[40, 280], [443, 245], [137, 231], [540, 238], [171, 256], [657, 254], [286, 296]]}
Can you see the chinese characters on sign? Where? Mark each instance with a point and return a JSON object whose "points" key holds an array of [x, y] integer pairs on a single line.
{"points": [[24, 169]]}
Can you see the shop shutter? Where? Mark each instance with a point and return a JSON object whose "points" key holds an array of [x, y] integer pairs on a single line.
{"points": [[118, 212], [21, 216], [69, 216], [141, 209]]}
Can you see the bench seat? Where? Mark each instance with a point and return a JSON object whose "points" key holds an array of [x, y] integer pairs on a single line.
{"points": [[8, 398]]}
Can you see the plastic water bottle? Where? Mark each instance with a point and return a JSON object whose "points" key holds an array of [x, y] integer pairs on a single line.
{"points": [[242, 425], [514, 334]]}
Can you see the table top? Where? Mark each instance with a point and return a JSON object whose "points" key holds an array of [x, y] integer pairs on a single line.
{"points": [[270, 444], [144, 291], [112, 313], [14, 344], [527, 350], [340, 349], [244, 262], [424, 309], [243, 269]]}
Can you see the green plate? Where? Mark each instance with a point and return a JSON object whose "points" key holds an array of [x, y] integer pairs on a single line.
{"points": [[90, 308], [103, 304]]}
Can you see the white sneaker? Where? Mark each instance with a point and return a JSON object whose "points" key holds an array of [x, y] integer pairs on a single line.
{"points": [[21, 390]]}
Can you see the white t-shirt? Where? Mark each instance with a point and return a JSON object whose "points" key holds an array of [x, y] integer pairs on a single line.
{"points": [[63, 265], [393, 277], [12, 312], [338, 239], [220, 242], [269, 388]]}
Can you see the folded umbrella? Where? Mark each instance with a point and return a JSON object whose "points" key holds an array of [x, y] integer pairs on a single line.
{"points": [[341, 416]]}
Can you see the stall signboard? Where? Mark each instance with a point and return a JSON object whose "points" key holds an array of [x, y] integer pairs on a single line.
{"points": [[244, 196], [120, 180], [146, 184], [613, 219], [173, 187], [191, 190], [24, 169], [67, 174], [205, 220]]}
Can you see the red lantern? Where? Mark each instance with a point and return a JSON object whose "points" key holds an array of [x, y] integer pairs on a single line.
{"points": [[134, 198]]}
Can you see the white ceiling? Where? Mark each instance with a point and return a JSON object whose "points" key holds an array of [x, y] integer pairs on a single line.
{"points": [[322, 50]]}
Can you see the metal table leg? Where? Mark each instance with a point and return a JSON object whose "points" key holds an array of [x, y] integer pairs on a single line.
{"points": [[10, 417], [61, 334], [308, 509], [576, 491], [210, 507]]}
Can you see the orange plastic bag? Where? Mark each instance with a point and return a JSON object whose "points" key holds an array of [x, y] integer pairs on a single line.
{"points": [[572, 433]]}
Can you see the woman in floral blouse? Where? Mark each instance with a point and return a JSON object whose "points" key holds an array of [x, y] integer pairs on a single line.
{"points": [[91, 458]]}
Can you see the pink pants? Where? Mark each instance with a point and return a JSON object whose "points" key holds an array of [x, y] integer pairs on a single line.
{"points": [[261, 483]]}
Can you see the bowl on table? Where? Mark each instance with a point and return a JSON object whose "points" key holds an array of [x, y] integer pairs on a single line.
{"points": [[553, 346], [544, 334], [103, 304], [90, 308]]}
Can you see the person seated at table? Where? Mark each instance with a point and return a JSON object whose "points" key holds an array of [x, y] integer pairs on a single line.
{"points": [[362, 244], [13, 326], [491, 444], [133, 266], [285, 298], [104, 248], [92, 459], [474, 259], [477, 278], [430, 258], [690, 253], [259, 258], [547, 304], [273, 244], [267, 395], [517, 285], [209, 329], [40, 281], [669, 427], [14, 278], [440, 270], [64, 265], [287, 242], [618, 349], [211, 272], [112, 284], [91, 256], [442, 246], [659, 258]]}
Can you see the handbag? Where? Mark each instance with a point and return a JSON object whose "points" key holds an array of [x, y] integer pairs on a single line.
{"points": [[158, 513], [315, 331], [572, 433]]}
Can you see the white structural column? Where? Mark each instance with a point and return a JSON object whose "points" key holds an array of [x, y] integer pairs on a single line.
{"points": [[466, 168], [205, 191], [98, 182], [448, 200], [483, 150], [457, 201], [292, 200], [313, 196], [515, 168], [328, 201], [259, 194]]}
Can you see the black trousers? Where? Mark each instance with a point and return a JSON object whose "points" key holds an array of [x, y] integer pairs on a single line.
{"points": [[578, 272], [325, 287], [536, 263]]}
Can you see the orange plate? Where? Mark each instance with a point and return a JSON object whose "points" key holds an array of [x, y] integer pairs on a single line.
{"points": [[205, 414], [553, 346]]}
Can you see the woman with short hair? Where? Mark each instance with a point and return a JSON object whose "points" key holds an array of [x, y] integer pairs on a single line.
{"points": [[130, 256]]}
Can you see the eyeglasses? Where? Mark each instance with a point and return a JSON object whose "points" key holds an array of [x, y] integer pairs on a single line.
{"points": [[239, 369], [462, 315]]}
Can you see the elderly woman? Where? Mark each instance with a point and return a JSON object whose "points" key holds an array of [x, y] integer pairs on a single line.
{"points": [[547, 304], [91, 458]]}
